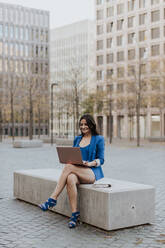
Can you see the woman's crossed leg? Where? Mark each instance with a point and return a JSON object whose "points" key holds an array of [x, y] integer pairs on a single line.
{"points": [[73, 175]]}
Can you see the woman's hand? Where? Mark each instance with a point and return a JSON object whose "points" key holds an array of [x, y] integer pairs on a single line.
{"points": [[89, 164]]}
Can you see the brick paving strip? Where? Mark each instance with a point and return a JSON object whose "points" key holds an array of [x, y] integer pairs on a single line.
{"points": [[24, 225]]}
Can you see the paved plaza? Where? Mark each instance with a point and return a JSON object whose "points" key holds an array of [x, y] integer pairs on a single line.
{"points": [[24, 225]]}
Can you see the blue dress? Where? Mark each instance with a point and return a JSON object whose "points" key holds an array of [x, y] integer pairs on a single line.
{"points": [[85, 157]]}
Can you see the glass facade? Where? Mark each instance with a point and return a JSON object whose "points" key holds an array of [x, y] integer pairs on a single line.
{"points": [[24, 46]]}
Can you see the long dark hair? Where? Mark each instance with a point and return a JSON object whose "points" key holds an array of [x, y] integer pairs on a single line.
{"points": [[90, 122]]}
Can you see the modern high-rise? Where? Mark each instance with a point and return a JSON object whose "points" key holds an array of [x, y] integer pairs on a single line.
{"points": [[72, 67], [24, 67], [130, 57]]}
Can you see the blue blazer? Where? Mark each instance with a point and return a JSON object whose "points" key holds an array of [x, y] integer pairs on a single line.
{"points": [[96, 151]]}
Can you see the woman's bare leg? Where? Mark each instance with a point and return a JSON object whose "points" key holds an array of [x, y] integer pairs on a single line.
{"points": [[72, 182], [85, 175]]}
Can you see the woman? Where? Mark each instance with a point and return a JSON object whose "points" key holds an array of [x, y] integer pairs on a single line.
{"points": [[92, 149]]}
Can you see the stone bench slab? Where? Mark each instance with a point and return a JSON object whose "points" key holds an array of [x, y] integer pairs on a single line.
{"points": [[27, 143], [125, 204], [157, 139]]}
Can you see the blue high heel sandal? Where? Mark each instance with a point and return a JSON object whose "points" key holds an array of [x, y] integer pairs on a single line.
{"points": [[50, 203], [74, 219]]}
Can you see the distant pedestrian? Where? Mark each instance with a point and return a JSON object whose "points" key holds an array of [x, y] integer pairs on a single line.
{"points": [[92, 148]]}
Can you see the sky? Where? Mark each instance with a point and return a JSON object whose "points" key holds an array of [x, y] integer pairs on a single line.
{"points": [[62, 12]]}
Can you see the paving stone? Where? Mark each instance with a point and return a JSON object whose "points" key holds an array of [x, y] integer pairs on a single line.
{"points": [[25, 226]]}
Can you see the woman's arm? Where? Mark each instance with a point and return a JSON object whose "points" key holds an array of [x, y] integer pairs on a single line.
{"points": [[99, 158], [100, 151]]}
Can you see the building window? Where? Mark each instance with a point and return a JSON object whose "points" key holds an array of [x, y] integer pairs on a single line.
{"points": [[142, 35], [131, 21], [155, 85], [0, 70], [109, 73], [120, 8], [47, 36], [131, 38], [120, 24], [16, 66], [142, 19], [155, 67], [143, 68], [155, 50], [100, 60], [120, 72], [154, 2], [36, 51], [110, 58], [109, 27], [1, 14], [131, 70], [41, 51], [26, 67], [26, 50], [109, 43], [11, 32], [99, 14], [120, 88], [42, 36], [119, 40], [36, 68], [21, 49], [99, 44], [6, 49], [11, 49], [46, 51], [110, 11], [98, 2], [99, 29], [16, 50], [155, 33], [110, 88], [142, 3], [1, 30], [131, 54], [131, 5], [100, 75], [16, 33], [1, 48], [142, 52], [21, 33], [27, 34], [120, 56], [12, 66], [155, 16], [6, 65], [6, 30]]}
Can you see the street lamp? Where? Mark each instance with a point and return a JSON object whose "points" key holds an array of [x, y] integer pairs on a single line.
{"points": [[52, 85]]}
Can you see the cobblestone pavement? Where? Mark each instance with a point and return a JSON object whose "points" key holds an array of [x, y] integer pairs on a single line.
{"points": [[24, 225]]}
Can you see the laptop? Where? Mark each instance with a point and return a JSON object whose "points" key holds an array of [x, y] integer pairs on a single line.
{"points": [[70, 155]]}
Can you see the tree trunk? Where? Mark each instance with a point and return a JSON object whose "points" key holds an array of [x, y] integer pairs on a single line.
{"points": [[110, 122], [12, 114], [77, 110], [67, 123], [59, 124], [0, 125], [30, 115], [74, 131], [39, 121]]}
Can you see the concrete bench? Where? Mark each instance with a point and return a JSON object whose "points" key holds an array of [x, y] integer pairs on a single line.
{"points": [[27, 143], [157, 139], [125, 204]]}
